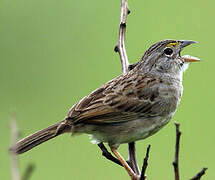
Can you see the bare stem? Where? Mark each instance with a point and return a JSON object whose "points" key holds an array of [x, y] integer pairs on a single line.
{"points": [[14, 158], [199, 174], [120, 47], [145, 164], [132, 159], [175, 163]]}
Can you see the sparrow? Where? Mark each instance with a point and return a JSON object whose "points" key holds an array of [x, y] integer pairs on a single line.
{"points": [[128, 108]]}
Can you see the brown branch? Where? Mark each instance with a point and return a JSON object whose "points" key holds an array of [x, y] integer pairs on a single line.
{"points": [[120, 47], [175, 163], [199, 175], [132, 159], [145, 164]]}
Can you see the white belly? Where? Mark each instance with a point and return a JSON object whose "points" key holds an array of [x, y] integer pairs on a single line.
{"points": [[136, 130]]}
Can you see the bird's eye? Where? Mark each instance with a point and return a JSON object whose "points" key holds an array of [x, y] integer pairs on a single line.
{"points": [[168, 51]]}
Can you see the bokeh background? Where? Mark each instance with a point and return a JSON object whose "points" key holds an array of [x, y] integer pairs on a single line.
{"points": [[52, 53]]}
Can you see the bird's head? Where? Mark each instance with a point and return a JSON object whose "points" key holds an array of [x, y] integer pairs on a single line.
{"points": [[165, 57]]}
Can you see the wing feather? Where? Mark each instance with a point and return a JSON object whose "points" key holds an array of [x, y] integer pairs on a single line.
{"points": [[124, 98]]}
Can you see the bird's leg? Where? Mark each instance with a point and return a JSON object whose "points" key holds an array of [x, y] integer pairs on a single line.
{"points": [[125, 164], [108, 155]]}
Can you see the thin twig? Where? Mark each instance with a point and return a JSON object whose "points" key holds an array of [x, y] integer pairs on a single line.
{"points": [[132, 159], [175, 163], [108, 155], [120, 47], [145, 164], [14, 158], [199, 175]]}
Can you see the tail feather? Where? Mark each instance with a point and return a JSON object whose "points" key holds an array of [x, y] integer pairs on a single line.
{"points": [[39, 137]]}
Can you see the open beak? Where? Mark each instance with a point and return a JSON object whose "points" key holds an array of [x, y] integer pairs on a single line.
{"points": [[188, 58]]}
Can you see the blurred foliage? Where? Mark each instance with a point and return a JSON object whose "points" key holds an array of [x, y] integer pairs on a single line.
{"points": [[55, 52]]}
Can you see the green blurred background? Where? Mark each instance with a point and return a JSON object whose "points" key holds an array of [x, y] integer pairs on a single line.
{"points": [[52, 53]]}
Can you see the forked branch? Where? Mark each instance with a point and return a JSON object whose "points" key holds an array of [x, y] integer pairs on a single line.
{"points": [[132, 160], [176, 158]]}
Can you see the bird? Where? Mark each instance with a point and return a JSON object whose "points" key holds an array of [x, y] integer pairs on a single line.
{"points": [[128, 108]]}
